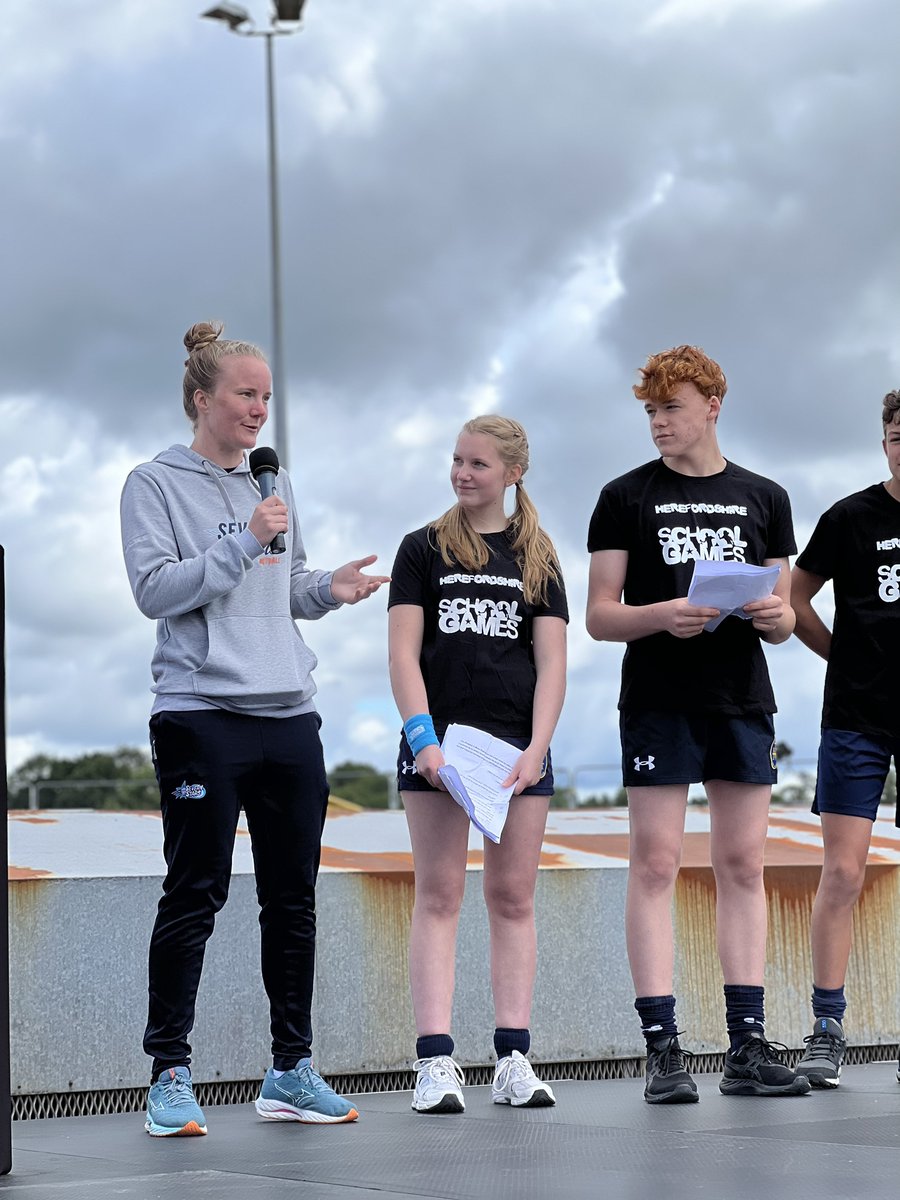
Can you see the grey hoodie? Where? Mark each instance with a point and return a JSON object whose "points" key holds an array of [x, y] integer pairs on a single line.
{"points": [[224, 609]]}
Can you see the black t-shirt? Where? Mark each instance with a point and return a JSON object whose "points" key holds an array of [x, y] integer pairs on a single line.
{"points": [[477, 654], [666, 521], [857, 545]]}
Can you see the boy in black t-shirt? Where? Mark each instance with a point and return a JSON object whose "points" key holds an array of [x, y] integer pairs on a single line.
{"points": [[695, 706], [856, 545]]}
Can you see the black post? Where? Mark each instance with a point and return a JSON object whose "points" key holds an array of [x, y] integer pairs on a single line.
{"points": [[5, 1102]]}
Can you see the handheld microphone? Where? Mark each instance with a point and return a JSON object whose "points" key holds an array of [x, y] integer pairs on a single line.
{"points": [[264, 469]]}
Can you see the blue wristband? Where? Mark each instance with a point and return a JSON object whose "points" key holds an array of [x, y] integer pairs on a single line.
{"points": [[419, 732]]}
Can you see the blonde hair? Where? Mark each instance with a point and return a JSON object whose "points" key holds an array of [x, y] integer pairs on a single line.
{"points": [[204, 360], [459, 544]]}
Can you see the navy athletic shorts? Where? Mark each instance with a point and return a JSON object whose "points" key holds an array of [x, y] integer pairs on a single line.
{"points": [[852, 773], [409, 779], [660, 749]]}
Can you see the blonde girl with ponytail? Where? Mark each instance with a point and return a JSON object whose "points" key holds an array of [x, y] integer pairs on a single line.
{"points": [[477, 635]]}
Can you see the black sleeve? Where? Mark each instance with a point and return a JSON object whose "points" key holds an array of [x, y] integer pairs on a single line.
{"points": [[409, 574], [781, 542], [557, 604], [823, 550], [609, 529]]}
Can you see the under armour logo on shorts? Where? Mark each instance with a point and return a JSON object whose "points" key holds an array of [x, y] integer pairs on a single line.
{"points": [[408, 768], [644, 762]]}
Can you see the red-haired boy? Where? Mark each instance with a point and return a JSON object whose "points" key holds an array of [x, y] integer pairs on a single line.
{"points": [[695, 707]]}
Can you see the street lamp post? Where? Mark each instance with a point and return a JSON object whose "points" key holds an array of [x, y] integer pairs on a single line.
{"points": [[284, 19]]}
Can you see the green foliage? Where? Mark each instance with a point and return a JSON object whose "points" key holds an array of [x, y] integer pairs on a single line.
{"points": [[123, 779], [616, 799], [360, 783]]}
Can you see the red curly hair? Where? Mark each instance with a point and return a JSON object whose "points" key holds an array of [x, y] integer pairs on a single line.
{"points": [[682, 364]]}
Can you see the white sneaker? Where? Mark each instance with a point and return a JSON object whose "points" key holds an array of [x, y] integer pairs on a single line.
{"points": [[438, 1085], [515, 1083]]}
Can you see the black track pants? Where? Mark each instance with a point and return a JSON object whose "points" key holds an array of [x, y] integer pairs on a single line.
{"points": [[210, 764]]}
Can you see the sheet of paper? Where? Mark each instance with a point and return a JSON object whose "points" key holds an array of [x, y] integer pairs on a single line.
{"points": [[728, 586], [475, 766]]}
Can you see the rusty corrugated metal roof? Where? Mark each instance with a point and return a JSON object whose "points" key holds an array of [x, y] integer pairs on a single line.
{"points": [[71, 843]]}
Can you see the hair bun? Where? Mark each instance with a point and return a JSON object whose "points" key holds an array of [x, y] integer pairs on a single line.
{"points": [[202, 334]]}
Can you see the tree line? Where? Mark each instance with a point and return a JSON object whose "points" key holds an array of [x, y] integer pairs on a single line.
{"points": [[124, 779]]}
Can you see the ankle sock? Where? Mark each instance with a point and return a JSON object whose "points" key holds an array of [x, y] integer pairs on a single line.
{"points": [[507, 1040], [657, 1015], [829, 1002], [745, 1012], [432, 1045]]}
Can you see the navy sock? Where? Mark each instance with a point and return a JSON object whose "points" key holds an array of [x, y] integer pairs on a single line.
{"points": [[829, 1002], [507, 1040], [657, 1015], [434, 1044], [744, 1012]]}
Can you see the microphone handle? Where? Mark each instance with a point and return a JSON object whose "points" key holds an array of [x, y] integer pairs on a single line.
{"points": [[266, 481]]}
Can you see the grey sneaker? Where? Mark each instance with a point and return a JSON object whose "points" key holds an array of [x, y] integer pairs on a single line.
{"points": [[824, 1053]]}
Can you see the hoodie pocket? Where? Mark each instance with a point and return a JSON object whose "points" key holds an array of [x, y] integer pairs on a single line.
{"points": [[256, 661]]}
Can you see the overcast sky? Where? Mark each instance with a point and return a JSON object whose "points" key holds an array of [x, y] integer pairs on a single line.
{"points": [[488, 205]]}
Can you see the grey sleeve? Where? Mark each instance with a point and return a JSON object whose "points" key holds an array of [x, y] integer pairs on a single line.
{"points": [[164, 584], [311, 596]]}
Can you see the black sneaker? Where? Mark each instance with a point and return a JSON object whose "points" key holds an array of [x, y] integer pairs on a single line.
{"points": [[757, 1069], [824, 1053], [668, 1080]]}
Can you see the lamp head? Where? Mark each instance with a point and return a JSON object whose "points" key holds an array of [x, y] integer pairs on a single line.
{"points": [[287, 11], [232, 14]]}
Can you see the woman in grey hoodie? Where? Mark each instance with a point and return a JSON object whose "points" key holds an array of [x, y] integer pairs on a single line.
{"points": [[233, 724]]}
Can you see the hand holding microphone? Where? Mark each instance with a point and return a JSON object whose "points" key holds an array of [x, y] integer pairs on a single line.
{"points": [[268, 519]]}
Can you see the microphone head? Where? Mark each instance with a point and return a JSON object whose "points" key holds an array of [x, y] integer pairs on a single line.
{"points": [[263, 458]]}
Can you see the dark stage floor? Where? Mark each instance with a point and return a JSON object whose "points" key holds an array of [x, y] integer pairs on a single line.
{"points": [[601, 1141]]}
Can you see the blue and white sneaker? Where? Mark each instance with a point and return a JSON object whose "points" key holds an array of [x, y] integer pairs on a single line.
{"points": [[302, 1095], [172, 1110]]}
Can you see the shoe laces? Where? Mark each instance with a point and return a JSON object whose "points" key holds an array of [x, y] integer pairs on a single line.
{"points": [[513, 1068], [760, 1048], [312, 1079], [441, 1067], [822, 1040], [178, 1091], [671, 1057]]}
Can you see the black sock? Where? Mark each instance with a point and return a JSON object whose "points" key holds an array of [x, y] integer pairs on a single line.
{"points": [[432, 1045], [829, 1002], [507, 1040], [745, 1012], [657, 1015]]}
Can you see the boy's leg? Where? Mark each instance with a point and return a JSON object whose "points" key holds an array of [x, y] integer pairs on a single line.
{"points": [[849, 783], [659, 758], [656, 834], [740, 772], [739, 822], [846, 840]]}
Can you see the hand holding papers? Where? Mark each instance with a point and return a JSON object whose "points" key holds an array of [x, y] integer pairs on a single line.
{"points": [[475, 766], [728, 586]]}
